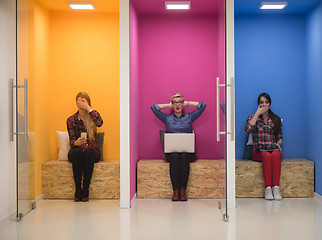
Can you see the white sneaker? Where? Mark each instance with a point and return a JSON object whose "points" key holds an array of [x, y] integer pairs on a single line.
{"points": [[277, 194], [269, 194]]}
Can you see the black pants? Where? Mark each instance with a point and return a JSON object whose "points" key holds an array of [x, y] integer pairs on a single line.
{"points": [[83, 165], [179, 168]]}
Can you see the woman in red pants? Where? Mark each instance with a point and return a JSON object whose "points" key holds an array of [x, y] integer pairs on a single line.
{"points": [[267, 136]]}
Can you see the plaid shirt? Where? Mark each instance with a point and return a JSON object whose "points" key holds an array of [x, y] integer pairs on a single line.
{"points": [[76, 126], [263, 135]]}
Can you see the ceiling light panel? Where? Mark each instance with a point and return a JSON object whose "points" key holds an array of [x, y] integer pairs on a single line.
{"points": [[273, 5], [177, 5], [81, 5]]}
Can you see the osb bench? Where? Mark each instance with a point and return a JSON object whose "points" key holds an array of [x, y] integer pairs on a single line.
{"points": [[297, 178], [58, 181], [207, 179]]}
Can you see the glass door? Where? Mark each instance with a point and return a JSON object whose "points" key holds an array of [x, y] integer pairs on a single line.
{"points": [[221, 105], [225, 93], [25, 163]]}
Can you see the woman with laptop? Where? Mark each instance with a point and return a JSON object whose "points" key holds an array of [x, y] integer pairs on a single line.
{"points": [[179, 122], [267, 136]]}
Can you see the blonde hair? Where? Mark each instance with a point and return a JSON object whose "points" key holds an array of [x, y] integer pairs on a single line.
{"points": [[88, 122], [177, 95]]}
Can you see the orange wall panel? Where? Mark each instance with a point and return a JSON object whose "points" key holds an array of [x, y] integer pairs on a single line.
{"points": [[42, 90], [37, 27], [84, 56], [62, 53]]}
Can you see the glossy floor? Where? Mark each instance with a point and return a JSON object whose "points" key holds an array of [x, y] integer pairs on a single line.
{"points": [[162, 219]]}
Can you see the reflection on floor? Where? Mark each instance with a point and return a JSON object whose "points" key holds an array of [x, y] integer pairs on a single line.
{"points": [[162, 219]]}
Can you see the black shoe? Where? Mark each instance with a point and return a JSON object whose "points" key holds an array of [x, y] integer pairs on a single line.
{"points": [[77, 199], [85, 195], [78, 195], [85, 199]]}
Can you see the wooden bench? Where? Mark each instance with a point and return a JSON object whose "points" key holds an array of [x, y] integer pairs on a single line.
{"points": [[297, 178], [58, 181], [208, 178]]}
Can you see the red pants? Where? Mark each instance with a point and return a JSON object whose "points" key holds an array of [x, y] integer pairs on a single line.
{"points": [[271, 166]]}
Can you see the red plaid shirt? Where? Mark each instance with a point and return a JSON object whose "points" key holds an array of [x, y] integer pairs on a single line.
{"points": [[76, 126], [263, 135]]}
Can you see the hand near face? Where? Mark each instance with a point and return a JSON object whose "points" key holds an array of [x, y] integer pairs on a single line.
{"points": [[261, 110], [171, 105], [82, 104]]}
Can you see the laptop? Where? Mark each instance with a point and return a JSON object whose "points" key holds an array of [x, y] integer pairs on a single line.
{"points": [[179, 142]]}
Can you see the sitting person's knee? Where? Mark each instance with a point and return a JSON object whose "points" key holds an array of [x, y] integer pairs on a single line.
{"points": [[75, 152], [92, 153], [277, 153]]}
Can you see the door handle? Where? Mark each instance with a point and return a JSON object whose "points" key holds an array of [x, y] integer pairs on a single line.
{"points": [[232, 108], [26, 108], [11, 117], [232, 90], [12, 86]]}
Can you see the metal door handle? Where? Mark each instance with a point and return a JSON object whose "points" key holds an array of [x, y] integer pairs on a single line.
{"points": [[232, 90], [232, 108], [12, 87], [26, 108], [218, 109]]}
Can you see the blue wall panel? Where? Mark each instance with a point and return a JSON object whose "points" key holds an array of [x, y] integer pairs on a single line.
{"points": [[314, 76], [271, 57]]}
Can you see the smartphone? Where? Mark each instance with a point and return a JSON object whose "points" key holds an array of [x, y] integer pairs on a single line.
{"points": [[84, 135]]}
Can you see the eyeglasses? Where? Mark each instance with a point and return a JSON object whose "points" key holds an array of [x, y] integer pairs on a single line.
{"points": [[177, 103]]}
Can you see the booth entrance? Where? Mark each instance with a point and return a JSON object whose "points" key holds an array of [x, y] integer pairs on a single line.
{"points": [[61, 52], [164, 52]]}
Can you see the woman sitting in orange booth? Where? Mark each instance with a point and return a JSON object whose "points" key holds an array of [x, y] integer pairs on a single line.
{"points": [[82, 130]]}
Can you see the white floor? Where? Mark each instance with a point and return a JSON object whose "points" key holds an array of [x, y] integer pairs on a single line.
{"points": [[162, 219]]}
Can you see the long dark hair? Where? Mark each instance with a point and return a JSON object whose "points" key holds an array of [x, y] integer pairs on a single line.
{"points": [[276, 119]]}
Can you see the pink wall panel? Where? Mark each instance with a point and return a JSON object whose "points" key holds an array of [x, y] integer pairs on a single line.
{"points": [[134, 99], [179, 53]]}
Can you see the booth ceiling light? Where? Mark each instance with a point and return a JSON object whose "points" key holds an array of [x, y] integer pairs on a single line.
{"points": [[177, 5], [81, 5], [273, 5]]}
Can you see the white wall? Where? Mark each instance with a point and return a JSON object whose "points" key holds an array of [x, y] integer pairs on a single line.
{"points": [[7, 71], [125, 201]]}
